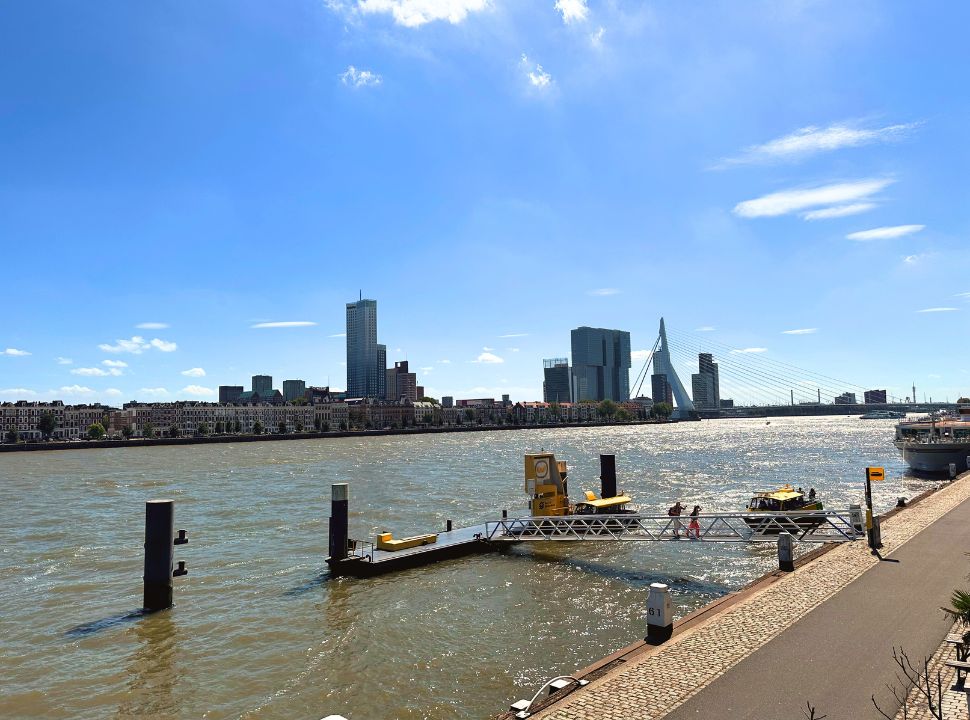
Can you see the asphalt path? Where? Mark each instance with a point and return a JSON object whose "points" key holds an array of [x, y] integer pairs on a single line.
{"points": [[840, 654]]}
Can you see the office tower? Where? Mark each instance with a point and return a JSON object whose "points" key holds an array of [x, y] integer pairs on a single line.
{"points": [[601, 364], [874, 397], [293, 389], [846, 398], [555, 385], [228, 394], [366, 359], [263, 385], [705, 384], [447, 401], [661, 390], [399, 383]]}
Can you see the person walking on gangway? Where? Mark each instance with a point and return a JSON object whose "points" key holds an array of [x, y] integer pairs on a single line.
{"points": [[674, 512], [694, 528]]}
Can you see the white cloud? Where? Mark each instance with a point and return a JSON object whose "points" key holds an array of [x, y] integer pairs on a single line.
{"points": [[572, 10], [750, 350], [14, 352], [198, 390], [114, 363], [427, 369], [284, 324], [788, 201], [704, 328], [596, 37], [813, 139], [963, 295], [353, 77], [838, 211], [113, 392], [152, 326], [194, 372], [801, 331], [537, 77], [885, 233], [602, 292], [154, 392], [75, 390], [415, 13], [640, 355], [513, 349], [514, 335], [487, 349], [96, 372], [339, 335], [137, 345], [17, 393], [937, 309], [445, 362], [915, 259], [64, 361], [488, 358]]}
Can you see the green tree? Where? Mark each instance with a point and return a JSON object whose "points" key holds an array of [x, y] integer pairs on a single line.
{"points": [[96, 431], [623, 415], [220, 427], [433, 401], [318, 423], [127, 432], [47, 424], [661, 410], [607, 409], [960, 610], [236, 426], [469, 414], [257, 428], [203, 428], [13, 436], [299, 426], [282, 428], [173, 430], [963, 401], [343, 425], [147, 430], [298, 401]]}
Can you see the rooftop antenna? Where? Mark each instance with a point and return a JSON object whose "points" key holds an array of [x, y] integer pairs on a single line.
{"points": [[360, 294]]}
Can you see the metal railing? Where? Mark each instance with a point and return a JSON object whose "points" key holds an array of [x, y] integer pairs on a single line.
{"points": [[809, 526], [360, 549]]}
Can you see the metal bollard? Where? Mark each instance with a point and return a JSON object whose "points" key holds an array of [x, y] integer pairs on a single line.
{"points": [[857, 519], [660, 616], [339, 501], [953, 470], [160, 554], [786, 555], [607, 476], [505, 514], [448, 526], [900, 502], [876, 533]]}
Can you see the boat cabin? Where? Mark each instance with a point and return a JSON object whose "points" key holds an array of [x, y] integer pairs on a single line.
{"points": [[602, 506], [785, 499]]}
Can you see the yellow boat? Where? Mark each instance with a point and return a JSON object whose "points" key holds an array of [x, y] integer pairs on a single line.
{"points": [[785, 499], [547, 487]]}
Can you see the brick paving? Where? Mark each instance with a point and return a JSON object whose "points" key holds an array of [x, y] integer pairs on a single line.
{"points": [[956, 699], [652, 685]]}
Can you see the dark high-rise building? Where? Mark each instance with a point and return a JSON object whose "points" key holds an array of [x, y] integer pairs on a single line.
{"points": [[601, 364], [556, 383], [399, 383], [229, 394], [705, 384], [874, 397], [662, 392], [293, 389], [366, 359], [846, 398], [263, 385]]}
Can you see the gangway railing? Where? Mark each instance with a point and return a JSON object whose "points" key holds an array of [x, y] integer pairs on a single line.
{"points": [[808, 526]]}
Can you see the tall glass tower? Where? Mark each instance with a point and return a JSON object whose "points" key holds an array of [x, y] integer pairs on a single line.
{"points": [[366, 359], [601, 364]]}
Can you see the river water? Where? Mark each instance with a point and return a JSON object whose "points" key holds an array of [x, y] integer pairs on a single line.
{"points": [[260, 630]]}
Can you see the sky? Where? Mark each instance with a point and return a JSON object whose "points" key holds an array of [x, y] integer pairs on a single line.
{"points": [[190, 193]]}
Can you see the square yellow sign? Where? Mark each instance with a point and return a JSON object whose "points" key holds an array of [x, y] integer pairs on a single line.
{"points": [[875, 474]]}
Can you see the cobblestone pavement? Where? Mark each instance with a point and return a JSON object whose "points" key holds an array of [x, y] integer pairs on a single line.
{"points": [[956, 699], [652, 685]]}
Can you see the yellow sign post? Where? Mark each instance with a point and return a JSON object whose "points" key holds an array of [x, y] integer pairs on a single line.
{"points": [[875, 474]]}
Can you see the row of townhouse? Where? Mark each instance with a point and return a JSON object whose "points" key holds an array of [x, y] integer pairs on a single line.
{"points": [[70, 421], [191, 418]]}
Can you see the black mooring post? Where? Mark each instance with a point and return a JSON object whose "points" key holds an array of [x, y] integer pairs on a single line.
{"points": [[339, 500], [448, 526], [869, 534], [608, 476], [159, 554]]}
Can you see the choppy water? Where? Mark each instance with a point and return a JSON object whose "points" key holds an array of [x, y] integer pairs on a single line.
{"points": [[260, 630]]}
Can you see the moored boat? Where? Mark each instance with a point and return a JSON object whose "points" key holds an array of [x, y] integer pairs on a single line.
{"points": [[771, 510], [932, 444]]}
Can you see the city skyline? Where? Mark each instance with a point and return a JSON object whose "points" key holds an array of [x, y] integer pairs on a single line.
{"points": [[787, 184]]}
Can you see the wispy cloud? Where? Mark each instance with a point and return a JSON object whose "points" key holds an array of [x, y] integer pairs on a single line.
{"points": [[917, 258], [938, 310], [885, 233], [537, 77], [194, 372], [596, 37], [154, 392], [427, 369], [152, 326], [704, 328], [198, 391], [603, 292], [488, 359], [640, 355], [838, 211], [64, 361], [17, 393], [963, 295], [572, 10], [445, 362], [114, 363], [137, 345], [284, 324], [96, 372], [415, 13], [14, 352], [339, 335], [789, 201], [750, 350], [113, 392], [487, 349], [74, 390], [800, 331], [352, 77], [514, 335], [811, 140]]}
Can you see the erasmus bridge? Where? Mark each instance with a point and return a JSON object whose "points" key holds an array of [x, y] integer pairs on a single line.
{"points": [[736, 381]]}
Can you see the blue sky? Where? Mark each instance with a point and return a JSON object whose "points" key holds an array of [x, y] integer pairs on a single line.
{"points": [[493, 173]]}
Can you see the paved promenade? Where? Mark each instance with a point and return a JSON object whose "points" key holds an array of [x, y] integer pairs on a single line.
{"points": [[823, 634]]}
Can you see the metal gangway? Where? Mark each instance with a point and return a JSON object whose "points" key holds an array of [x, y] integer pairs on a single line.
{"points": [[817, 526]]}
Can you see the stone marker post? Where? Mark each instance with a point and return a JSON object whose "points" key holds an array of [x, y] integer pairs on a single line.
{"points": [[660, 614]]}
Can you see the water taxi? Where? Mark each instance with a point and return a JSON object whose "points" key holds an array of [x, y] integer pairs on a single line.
{"points": [[786, 499]]}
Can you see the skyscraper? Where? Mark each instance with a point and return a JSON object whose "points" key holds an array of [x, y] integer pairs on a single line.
{"points": [[293, 389], [601, 364], [263, 385], [705, 384], [401, 383], [366, 359], [555, 385]]}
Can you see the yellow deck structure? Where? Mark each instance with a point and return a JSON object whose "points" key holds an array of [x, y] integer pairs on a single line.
{"points": [[386, 542]]}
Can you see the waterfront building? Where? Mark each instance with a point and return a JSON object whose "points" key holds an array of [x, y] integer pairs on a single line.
{"points": [[705, 384], [262, 384], [661, 390], [419, 391], [366, 358], [447, 401], [251, 397], [399, 383], [229, 393], [601, 364], [556, 383], [726, 403], [293, 389], [320, 395], [874, 397], [846, 398]]}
